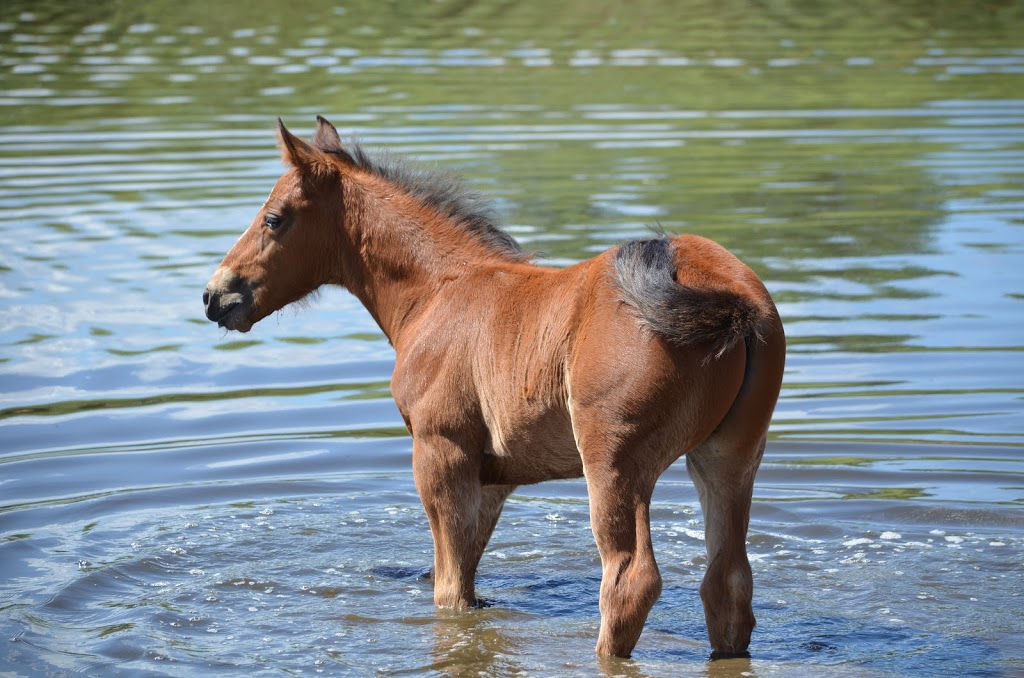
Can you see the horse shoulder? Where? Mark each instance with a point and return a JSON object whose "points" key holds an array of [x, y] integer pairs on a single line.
{"points": [[452, 358], [430, 383]]}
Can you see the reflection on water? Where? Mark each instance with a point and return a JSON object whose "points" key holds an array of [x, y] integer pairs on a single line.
{"points": [[173, 498]]}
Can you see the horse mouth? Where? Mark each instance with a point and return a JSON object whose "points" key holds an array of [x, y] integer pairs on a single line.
{"points": [[228, 301], [220, 315], [228, 317], [232, 317]]}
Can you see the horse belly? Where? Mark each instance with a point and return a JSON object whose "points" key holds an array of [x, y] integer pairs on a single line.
{"points": [[531, 448]]}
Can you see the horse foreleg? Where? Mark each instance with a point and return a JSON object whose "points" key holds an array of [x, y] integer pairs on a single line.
{"points": [[492, 501], [447, 479], [630, 581], [724, 477]]}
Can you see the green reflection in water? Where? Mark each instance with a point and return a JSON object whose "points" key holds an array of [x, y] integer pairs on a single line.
{"points": [[893, 493], [825, 461], [35, 338], [302, 341], [76, 406], [369, 394], [144, 351], [237, 345], [716, 55], [828, 167], [16, 537], [114, 629], [365, 336]]}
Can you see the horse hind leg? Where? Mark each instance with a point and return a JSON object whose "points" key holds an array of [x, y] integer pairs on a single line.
{"points": [[630, 581], [723, 468], [725, 479]]}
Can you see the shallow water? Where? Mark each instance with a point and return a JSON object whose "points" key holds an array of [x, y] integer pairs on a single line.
{"points": [[175, 499]]}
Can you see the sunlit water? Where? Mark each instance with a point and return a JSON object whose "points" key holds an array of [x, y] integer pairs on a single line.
{"points": [[174, 499]]}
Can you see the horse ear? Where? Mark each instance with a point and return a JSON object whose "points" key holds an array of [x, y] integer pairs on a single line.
{"points": [[326, 137], [295, 151]]}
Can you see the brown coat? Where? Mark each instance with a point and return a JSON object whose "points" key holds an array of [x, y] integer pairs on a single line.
{"points": [[509, 373]]}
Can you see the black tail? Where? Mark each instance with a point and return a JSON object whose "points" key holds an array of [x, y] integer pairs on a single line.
{"points": [[645, 272]]}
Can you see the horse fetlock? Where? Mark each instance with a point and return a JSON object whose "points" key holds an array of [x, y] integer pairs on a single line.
{"points": [[620, 631], [731, 638], [729, 627], [454, 602], [610, 645], [453, 597], [727, 593], [626, 600]]}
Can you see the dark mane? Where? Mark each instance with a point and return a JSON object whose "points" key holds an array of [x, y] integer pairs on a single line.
{"points": [[444, 191]]}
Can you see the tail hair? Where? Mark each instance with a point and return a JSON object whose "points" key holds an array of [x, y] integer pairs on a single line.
{"points": [[645, 273]]}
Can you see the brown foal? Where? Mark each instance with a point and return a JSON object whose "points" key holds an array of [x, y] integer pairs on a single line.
{"points": [[509, 373]]}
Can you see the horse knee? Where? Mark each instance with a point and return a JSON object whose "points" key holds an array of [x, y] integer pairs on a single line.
{"points": [[727, 594]]}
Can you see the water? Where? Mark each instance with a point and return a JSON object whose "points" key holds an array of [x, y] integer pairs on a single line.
{"points": [[175, 499]]}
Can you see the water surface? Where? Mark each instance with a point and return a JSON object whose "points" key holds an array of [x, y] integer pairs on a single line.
{"points": [[175, 499]]}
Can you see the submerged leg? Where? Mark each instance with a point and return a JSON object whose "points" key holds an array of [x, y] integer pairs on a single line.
{"points": [[630, 581], [492, 501], [724, 478], [447, 479]]}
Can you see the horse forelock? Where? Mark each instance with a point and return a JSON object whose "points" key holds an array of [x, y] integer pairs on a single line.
{"points": [[441, 190]]}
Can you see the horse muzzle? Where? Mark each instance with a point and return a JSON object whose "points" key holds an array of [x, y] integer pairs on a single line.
{"points": [[229, 300]]}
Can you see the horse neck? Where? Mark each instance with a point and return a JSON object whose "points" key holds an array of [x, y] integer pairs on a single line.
{"points": [[399, 252]]}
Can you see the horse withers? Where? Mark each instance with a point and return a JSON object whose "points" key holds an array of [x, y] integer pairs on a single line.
{"points": [[509, 373]]}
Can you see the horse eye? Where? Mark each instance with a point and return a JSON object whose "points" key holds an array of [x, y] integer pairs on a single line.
{"points": [[273, 221]]}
